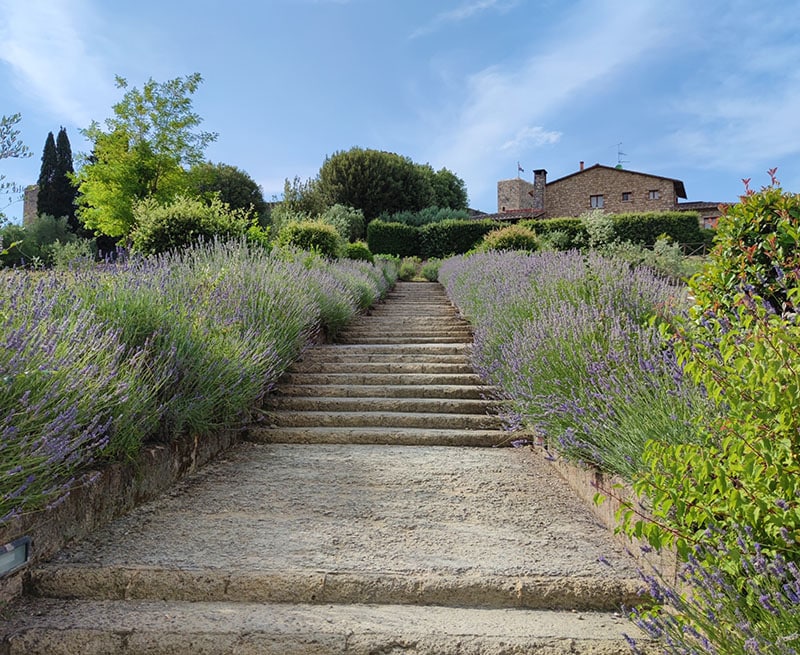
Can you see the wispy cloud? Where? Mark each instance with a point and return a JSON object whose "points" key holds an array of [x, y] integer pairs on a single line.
{"points": [[463, 12], [531, 137], [43, 43]]}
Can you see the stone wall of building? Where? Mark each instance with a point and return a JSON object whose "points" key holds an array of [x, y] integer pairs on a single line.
{"points": [[572, 195], [30, 202], [514, 194]]}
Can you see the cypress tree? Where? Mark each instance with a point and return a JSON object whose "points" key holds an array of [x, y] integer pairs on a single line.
{"points": [[64, 192], [47, 174]]}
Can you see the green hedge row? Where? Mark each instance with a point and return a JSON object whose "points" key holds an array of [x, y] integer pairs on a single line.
{"points": [[442, 239], [641, 228]]}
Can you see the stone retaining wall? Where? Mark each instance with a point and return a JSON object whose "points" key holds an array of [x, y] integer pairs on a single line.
{"points": [[117, 489]]}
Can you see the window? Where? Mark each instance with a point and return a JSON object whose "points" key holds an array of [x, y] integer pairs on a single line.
{"points": [[626, 196], [654, 194], [596, 202]]}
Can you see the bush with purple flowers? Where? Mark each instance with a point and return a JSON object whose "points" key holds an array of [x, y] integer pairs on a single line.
{"points": [[568, 340], [97, 361]]}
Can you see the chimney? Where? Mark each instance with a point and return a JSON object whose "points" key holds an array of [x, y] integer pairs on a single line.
{"points": [[581, 165], [539, 183]]}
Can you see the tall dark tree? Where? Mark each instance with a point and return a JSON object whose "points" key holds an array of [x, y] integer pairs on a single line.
{"points": [[56, 191], [47, 174], [64, 191]]}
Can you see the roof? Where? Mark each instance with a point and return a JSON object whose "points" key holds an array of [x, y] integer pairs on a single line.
{"points": [[680, 190], [514, 214]]}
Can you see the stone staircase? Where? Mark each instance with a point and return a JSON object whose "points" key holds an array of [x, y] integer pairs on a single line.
{"points": [[359, 518]]}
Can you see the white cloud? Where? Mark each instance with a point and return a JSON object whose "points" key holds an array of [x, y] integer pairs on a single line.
{"points": [[531, 137], [43, 44], [463, 12]]}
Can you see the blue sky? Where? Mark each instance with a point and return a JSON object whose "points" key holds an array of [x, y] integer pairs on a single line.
{"points": [[706, 91]]}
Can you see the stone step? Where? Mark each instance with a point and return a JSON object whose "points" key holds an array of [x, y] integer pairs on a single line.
{"points": [[381, 367], [380, 436], [394, 349], [382, 378], [55, 627], [339, 524], [386, 391], [404, 340], [320, 355], [380, 404], [368, 419], [390, 333]]}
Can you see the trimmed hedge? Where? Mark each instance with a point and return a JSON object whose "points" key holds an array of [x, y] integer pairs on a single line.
{"points": [[396, 239], [452, 237], [510, 237], [645, 228]]}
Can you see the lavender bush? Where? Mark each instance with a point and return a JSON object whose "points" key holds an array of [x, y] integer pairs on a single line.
{"points": [[568, 340], [754, 611], [98, 360]]}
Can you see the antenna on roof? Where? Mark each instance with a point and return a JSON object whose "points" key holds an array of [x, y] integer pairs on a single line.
{"points": [[620, 155]]}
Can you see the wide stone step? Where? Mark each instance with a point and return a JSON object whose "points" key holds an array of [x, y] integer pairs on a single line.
{"points": [[55, 627], [364, 419], [380, 435], [323, 354], [390, 333], [404, 340], [394, 348], [380, 404], [387, 390], [382, 378], [487, 527], [381, 367]]}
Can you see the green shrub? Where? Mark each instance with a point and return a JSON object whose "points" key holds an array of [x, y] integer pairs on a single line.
{"points": [[426, 216], [349, 222], [81, 253], [184, 222], [556, 240], [312, 235], [396, 239], [757, 247], [572, 227], [742, 344], [683, 227], [360, 251], [35, 243], [452, 237], [599, 227], [409, 268], [430, 269], [511, 237]]}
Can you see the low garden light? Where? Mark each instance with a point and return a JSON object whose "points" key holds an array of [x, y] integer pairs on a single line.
{"points": [[14, 555]]}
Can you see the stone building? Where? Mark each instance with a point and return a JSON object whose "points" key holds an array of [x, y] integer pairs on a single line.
{"points": [[30, 204], [612, 189]]}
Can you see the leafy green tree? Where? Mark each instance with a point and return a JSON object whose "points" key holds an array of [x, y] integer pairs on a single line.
{"points": [[375, 182], [449, 190], [10, 148], [349, 222], [141, 153], [232, 185]]}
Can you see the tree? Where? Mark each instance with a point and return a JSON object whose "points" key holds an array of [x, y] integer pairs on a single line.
{"points": [[10, 148], [233, 186], [141, 153], [449, 190], [375, 182], [47, 173], [64, 191]]}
